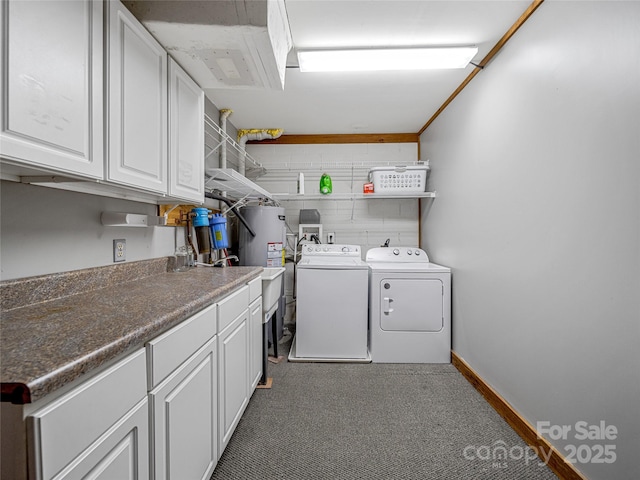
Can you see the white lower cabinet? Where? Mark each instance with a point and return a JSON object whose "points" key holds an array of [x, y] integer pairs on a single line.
{"points": [[255, 333], [165, 412], [119, 454], [182, 376], [97, 430], [233, 384], [255, 343], [184, 419], [233, 363]]}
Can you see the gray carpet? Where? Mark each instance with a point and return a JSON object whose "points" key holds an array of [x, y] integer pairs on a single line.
{"points": [[373, 421]]}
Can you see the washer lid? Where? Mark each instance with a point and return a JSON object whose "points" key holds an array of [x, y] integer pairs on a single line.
{"points": [[333, 262]]}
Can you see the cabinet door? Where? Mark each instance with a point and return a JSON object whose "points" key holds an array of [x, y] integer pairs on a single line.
{"points": [[137, 154], [255, 344], [94, 424], [185, 424], [233, 373], [122, 453], [52, 85], [186, 136]]}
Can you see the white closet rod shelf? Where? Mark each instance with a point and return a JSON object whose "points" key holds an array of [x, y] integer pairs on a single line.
{"points": [[303, 166], [283, 197]]}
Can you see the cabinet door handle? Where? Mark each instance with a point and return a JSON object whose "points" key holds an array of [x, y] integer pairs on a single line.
{"points": [[386, 308]]}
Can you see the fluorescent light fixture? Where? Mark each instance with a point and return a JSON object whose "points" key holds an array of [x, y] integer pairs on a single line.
{"points": [[372, 59]]}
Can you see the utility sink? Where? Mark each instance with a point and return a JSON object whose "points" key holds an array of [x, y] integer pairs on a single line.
{"points": [[271, 287]]}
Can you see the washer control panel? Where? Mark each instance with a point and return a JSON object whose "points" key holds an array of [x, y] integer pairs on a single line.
{"points": [[397, 255], [330, 250]]}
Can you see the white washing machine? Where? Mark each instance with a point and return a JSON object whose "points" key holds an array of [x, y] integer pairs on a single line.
{"points": [[409, 307], [331, 305]]}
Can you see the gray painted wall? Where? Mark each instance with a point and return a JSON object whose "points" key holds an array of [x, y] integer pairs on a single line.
{"points": [[537, 168], [44, 230]]}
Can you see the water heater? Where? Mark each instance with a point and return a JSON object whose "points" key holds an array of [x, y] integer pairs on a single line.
{"points": [[267, 248]]}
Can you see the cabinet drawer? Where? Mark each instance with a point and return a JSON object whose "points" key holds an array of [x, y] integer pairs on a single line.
{"points": [[68, 425], [232, 306], [168, 351], [255, 289]]}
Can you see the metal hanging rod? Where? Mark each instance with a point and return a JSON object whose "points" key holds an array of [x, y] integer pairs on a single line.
{"points": [[297, 166]]}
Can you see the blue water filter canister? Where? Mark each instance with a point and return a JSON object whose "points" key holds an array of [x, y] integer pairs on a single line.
{"points": [[201, 217], [218, 226]]}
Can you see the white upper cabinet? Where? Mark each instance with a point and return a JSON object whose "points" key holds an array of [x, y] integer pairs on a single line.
{"points": [[186, 136], [137, 103], [87, 92], [52, 85]]}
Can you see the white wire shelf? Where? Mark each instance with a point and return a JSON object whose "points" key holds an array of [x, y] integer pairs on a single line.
{"points": [[215, 137], [283, 197], [236, 185], [296, 166]]}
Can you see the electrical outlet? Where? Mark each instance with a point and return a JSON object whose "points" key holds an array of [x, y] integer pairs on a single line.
{"points": [[119, 250], [331, 237]]}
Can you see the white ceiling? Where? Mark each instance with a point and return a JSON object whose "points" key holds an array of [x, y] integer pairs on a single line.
{"points": [[373, 102]]}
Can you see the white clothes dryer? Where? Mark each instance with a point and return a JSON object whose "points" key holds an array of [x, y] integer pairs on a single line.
{"points": [[331, 305], [409, 307]]}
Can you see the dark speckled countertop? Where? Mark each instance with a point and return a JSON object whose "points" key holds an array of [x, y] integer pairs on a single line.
{"points": [[57, 327]]}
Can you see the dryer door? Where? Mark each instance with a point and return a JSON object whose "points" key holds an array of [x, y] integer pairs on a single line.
{"points": [[412, 305]]}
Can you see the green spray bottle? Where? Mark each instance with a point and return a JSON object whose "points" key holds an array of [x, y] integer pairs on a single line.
{"points": [[325, 184]]}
